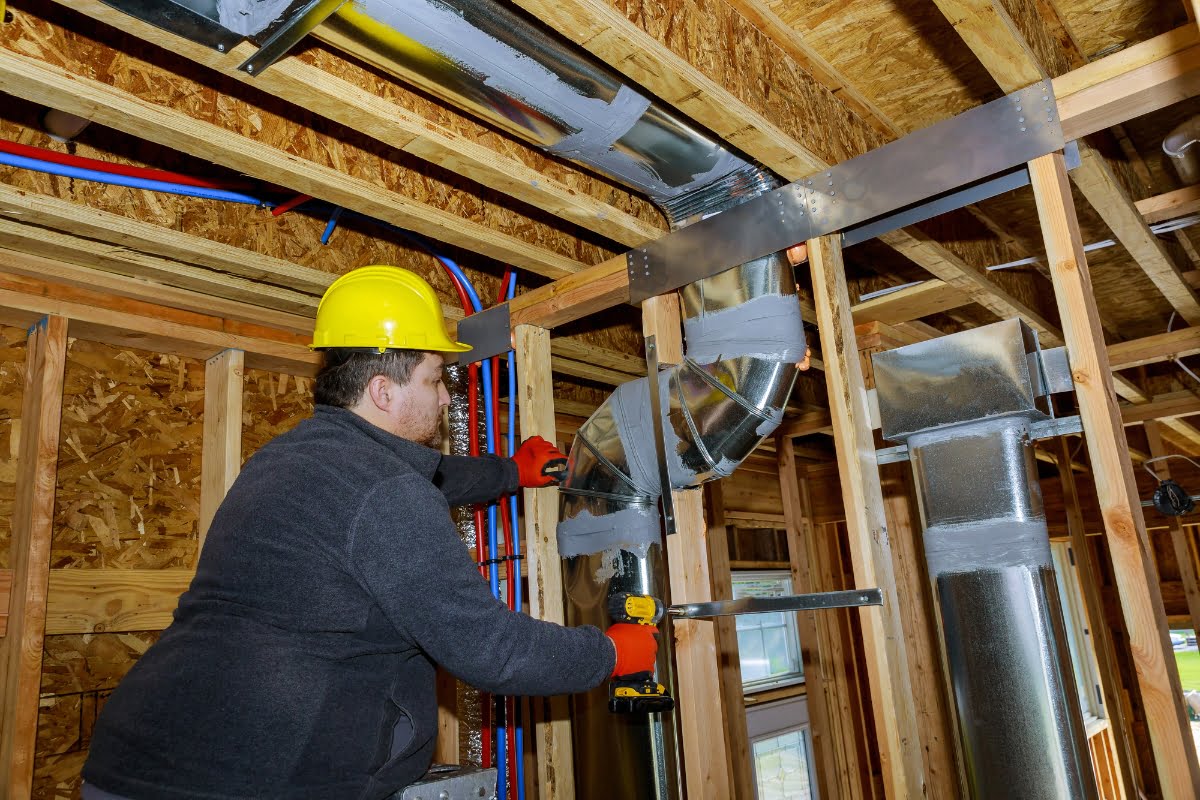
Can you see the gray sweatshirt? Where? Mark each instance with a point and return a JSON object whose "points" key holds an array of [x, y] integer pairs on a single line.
{"points": [[300, 664]]}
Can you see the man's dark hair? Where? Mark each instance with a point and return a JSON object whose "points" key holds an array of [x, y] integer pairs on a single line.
{"points": [[346, 371]]}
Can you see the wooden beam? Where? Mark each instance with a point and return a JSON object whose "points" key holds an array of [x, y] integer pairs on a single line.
{"points": [[883, 631], [705, 720], [991, 34], [1110, 679], [75, 92], [1137, 80], [1125, 527], [914, 302], [1170, 205], [221, 458], [125, 323], [1153, 349], [535, 400], [299, 82], [1179, 542], [102, 600], [29, 549], [799, 535], [1162, 407]]}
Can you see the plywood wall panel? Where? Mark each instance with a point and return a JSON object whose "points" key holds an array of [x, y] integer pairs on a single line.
{"points": [[1102, 24], [272, 403], [129, 462]]}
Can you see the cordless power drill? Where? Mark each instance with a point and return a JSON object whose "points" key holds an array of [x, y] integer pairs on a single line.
{"points": [[638, 693]]}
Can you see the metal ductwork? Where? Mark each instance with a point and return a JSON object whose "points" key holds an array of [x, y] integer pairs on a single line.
{"points": [[988, 552], [1179, 148]]}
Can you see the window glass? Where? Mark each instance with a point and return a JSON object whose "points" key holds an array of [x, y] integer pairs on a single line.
{"points": [[768, 644], [781, 766]]}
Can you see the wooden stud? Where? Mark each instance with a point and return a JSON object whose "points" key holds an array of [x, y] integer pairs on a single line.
{"points": [[6, 576], [113, 600], [1170, 205], [732, 694], [904, 305], [883, 631], [1110, 680], [221, 459], [705, 722], [1125, 527], [1179, 539], [535, 398], [1153, 349], [800, 534], [32, 526]]}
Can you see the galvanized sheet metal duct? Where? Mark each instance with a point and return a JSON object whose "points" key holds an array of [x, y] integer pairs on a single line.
{"points": [[988, 552], [742, 328]]}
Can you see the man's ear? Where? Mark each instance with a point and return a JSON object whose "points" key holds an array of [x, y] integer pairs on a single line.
{"points": [[380, 390]]}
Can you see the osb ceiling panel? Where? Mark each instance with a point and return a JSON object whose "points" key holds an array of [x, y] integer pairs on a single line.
{"points": [[902, 54], [1102, 24]]}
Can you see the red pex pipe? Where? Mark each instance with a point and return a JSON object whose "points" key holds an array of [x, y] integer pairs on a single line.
{"points": [[145, 173]]}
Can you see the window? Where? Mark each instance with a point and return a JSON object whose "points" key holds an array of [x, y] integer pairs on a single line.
{"points": [[781, 749], [768, 644], [1079, 634]]}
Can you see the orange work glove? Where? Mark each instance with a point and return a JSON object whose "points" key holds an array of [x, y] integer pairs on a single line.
{"points": [[539, 463], [637, 647]]}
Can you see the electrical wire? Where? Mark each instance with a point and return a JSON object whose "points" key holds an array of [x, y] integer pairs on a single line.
{"points": [[1178, 362], [146, 173], [129, 181]]}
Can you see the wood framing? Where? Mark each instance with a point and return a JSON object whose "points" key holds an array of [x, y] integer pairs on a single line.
{"points": [[1125, 527], [706, 724], [883, 632], [1110, 680], [1170, 205], [535, 397], [221, 460], [98, 600], [799, 532], [32, 526]]}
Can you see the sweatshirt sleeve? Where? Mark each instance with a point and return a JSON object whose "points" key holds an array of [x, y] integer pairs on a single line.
{"points": [[475, 479], [407, 553]]}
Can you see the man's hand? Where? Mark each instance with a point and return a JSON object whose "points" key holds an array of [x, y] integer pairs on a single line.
{"points": [[539, 463], [636, 645]]}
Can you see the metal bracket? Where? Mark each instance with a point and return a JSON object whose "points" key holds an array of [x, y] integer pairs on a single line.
{"points": [[451, 782], [851, 598], [181, 20], [289, 34], [488, 332], [1039, 429], [660, 448], [978, 144]]}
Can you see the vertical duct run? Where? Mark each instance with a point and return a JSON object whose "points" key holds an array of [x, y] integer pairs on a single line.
{"points": [[964, 404], [1179, 145], [742, 328]]}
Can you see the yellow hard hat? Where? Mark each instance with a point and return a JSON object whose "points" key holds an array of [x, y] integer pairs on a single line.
{"points": [[383, 308]]}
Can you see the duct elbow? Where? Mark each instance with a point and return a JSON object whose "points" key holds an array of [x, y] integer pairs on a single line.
{"points": [[1179, 147]]}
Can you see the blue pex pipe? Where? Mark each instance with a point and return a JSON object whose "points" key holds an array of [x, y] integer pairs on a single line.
{"points": [[518, 760], [79, 173]]}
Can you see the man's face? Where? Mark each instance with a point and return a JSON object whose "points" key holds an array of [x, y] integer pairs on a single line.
{"points": [[416, 407]]}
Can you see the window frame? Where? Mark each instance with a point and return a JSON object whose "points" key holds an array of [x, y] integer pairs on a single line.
{"points": [[792, 633], [1078, 627], [768, 720]]}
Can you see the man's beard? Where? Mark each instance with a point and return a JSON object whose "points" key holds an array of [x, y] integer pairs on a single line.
{"points": [[434, 437]]}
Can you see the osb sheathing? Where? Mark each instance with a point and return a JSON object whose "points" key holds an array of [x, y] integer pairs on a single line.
{"points": [[901, 54], [272, 403], [729, 50], [120, 61], [1102, 24], [12, 382]]}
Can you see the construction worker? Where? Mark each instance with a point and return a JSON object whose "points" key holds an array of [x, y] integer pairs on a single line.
{"points": [[300, 663]]}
